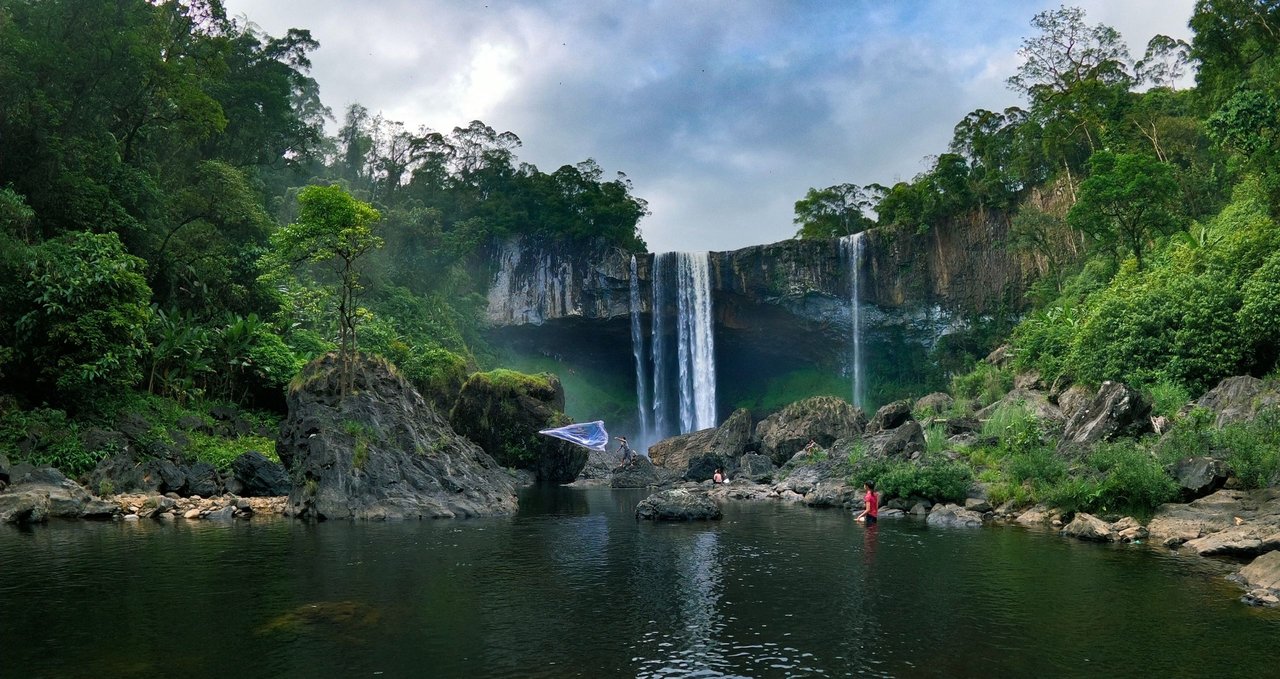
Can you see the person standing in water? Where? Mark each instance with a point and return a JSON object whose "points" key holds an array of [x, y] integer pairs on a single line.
{"points": [[871, 504]]}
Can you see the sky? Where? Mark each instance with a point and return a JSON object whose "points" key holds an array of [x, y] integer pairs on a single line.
{"points": [[722, 113]]}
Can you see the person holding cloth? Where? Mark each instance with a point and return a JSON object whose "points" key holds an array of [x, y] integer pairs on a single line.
{"points": [[871, 504]]}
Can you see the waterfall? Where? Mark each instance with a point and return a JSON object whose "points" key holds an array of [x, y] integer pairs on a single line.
{"points": [[658, 349], [682, 357], [637, 349], [696, 346], [852, 247]]}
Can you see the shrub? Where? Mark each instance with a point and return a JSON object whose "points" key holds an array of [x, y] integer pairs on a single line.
{"points": [[1168, 397], [1131, 478], [1252, 449], [937, 482], [985, 382], [1259, 315]]}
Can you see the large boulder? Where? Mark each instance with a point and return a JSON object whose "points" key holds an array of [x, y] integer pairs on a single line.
{"points": [[675, 452], [1199, 476], [932, 405], [678, 505], [703, 467], [906, 441], [503, 411], [1033, 402], [890, 416], [380, 451], [953, 515], [823, 419], [1262, 577], [818, 483], [642, 474], [124, 474], [40, 493], [728, 442], [1115, 411], [258, 476], [1071, 401], [1090, 528], [1239, 399], [733, 436], [755, 467]]}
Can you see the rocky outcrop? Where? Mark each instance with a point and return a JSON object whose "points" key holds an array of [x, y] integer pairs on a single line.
{"points": [[819, 483], [906, 441], [932, 405], [890, 416], [642, 474], [674, 453], [37, 494], [381, 452], [823, 419], [503, 411], [1174, 524], [678, 505], [1239, 399], [1116, 410], [1262, 577], [726, 443]]}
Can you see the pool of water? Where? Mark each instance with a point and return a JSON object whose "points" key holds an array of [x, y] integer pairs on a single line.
{"points": [[575, 586]]}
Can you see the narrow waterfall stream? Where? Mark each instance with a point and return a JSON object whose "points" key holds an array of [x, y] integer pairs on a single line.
{"points": [[852, 247], [643, 404]]}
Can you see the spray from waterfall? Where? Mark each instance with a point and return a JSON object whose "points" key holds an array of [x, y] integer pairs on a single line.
{"points": [[852, 248]]}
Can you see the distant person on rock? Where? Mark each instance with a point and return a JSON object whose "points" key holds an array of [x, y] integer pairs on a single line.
{"points": [[717, 477], [871, 502], [628, 455]]}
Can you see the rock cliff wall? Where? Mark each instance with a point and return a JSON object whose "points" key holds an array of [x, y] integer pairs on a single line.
{"points": [[782, 311]]}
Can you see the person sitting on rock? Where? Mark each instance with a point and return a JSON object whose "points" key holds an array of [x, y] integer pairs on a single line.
{"points": [[718, 477]]}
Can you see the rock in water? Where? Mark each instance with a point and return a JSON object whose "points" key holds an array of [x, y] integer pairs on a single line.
{"points": [[677, 505], [381, 452], [503, 411]]}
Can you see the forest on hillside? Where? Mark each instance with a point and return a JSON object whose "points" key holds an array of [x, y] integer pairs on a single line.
{"points": [[178, 228], [1149, 207], [156, 248]]}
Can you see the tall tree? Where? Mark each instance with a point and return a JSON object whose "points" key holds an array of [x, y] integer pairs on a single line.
{"points": [[1074, 74], [335, 229]]}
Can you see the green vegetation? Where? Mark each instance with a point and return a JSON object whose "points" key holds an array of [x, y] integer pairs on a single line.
{"points": [[175, 221]]}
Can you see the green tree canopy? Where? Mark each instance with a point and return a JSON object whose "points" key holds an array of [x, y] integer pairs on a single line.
{"points": [[1128, 199]]}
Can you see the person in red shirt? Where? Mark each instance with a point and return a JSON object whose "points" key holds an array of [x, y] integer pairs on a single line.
{"points": [[871, 502]]}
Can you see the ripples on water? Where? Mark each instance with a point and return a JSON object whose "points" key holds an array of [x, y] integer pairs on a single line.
{"points": [[574, 586]]}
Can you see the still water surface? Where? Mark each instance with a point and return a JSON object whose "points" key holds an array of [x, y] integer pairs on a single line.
{"points": [[574, 587]]}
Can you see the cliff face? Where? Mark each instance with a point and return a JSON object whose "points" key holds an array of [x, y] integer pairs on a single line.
{"points": [[779, 309], [961, 268]]}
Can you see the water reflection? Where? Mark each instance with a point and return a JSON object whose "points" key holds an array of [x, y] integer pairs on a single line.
{"points": [[575, 586]]}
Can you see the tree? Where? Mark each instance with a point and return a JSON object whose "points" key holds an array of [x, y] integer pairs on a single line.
{"points": [[1127, 200], [333, 228], [1075, 75], [81, 316], [833, 212]]}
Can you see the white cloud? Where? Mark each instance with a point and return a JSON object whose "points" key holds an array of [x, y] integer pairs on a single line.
{"points": [[722, 113]]}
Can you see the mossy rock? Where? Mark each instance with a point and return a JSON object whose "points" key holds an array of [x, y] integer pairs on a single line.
{"points": [[503, 410]]}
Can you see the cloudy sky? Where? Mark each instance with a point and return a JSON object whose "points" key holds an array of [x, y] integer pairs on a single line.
{"points": [[722, 113]]}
